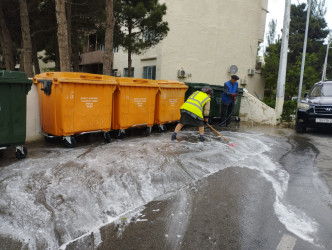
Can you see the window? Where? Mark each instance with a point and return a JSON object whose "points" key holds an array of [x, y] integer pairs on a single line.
{"points": [[149, 72], [115, 72], [316, 91], [125, 72]]}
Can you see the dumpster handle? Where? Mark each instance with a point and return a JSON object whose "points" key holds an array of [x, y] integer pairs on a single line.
{"points": [[46, 86], [140, 80], [90, 77]]}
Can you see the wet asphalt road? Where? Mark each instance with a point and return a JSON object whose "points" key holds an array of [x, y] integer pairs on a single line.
{"points": [[273, 190]]}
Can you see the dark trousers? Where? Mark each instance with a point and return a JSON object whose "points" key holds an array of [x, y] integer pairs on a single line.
{"points": [[226, 111]]}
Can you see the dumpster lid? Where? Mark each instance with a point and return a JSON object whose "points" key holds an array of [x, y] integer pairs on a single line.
{"points": [[75, 77], [172, 84], [136, 82], [7, 76], [197, 85]]}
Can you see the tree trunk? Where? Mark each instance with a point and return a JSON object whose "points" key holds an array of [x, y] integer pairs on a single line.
{"points": [[75, 50], [35, 57], [108, 54], [26, 38], [129, 64], [6, 42], [21, 68], [60, 10], [129, 51], [68, 12], [57, 58]]}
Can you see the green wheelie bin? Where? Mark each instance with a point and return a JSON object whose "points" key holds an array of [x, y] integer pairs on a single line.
{"points": [[215, 106], [14, 87], [236, 108], [192, 87]]}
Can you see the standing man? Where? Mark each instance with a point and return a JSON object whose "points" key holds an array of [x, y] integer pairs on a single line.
{"points": [[228, 100], [195, 111]]}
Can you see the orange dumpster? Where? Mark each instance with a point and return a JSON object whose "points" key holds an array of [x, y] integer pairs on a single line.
{"points": [[134, 104], [168, 102], [73, 103]]}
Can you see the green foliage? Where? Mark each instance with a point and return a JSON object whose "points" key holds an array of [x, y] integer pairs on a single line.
{"points": [[139, 24], [316, 33], [314, 56], [289, 110], [270, 37], [270, 71], [270, 101]]}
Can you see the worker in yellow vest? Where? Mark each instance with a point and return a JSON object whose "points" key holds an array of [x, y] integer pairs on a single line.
{"points": [[195, 112]]}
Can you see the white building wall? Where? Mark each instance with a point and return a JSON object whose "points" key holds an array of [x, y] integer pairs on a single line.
{"points": [[33, 122], [205, 38]]}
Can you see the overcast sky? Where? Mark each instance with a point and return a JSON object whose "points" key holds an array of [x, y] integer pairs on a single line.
{"points": [[276, 10]]}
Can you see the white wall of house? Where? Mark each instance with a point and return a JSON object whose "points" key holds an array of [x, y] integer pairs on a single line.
{"points": [[206, 37]]}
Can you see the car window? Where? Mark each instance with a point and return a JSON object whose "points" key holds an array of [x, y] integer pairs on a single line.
{"points": [[316, 91], [327, 90]]}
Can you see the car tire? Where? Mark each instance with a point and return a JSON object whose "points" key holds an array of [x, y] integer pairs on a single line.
{"points": [[300, 128]]}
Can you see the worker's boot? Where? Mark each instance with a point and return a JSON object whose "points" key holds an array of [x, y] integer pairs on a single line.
{"points": [[174, 136], [201, 138]]}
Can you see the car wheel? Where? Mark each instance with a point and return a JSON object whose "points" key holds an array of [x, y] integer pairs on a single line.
{"points": [[300, 127]]}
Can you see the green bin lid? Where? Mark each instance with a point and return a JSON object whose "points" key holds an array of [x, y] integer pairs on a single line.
{"points": [[13, 77]]}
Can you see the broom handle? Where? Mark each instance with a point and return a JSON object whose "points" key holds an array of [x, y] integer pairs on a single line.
{"points": [[218, 133]]}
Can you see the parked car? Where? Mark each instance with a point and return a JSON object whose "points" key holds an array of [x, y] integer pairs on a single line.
{"points": [[315, 110]]}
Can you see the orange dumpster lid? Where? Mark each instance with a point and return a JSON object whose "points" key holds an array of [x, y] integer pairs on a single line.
{"points": [[172, 84], [136, 82], [76, 77]]}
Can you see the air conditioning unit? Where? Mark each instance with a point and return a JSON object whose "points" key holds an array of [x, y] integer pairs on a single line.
{"points": [[182, 73], [251, 71], [243, 81]]}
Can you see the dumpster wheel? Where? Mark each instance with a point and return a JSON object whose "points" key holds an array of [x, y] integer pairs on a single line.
{"points": [[148, 131], [107, 137], [70, 141], [21, 152], [162, 128]]}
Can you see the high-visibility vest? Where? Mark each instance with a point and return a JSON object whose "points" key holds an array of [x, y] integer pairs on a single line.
{"points": [[196, 102]]}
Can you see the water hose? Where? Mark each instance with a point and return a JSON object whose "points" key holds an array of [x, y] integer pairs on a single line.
{"points": [[230, 114]]}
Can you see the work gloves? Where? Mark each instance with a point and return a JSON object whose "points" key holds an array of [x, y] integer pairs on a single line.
{"points": [[234, 97]]}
